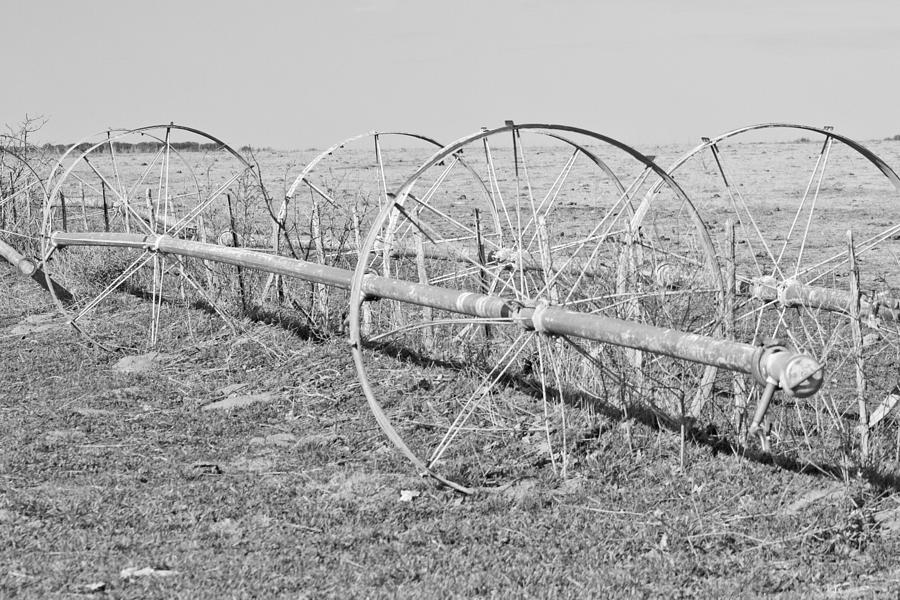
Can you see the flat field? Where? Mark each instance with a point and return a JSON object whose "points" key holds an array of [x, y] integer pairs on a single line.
{"points": [[244, 462]]}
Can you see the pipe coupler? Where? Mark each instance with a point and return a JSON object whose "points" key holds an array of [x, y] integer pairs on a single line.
{"points": [[26, 267], [796, 374]]}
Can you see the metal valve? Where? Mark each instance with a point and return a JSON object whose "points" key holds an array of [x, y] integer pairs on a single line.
{"points": [[777, 366]]}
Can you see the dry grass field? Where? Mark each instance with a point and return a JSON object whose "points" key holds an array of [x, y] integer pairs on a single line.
{"points": [[243, 461]]}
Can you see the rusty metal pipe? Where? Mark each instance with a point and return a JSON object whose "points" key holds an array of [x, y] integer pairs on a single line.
{"points": [[13, 257], [26, 267], [240, 257], [800, 373], [792, 293]]}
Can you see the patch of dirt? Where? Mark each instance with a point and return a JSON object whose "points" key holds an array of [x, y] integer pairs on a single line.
{"points": [[227, 527], [317, 440], [140, 363], [37, 324], [240, 401], [92, 412], [832, 494], [521, 490], [253, 464], [888, 519], [63, 436], [350, 486], [276, 439]]}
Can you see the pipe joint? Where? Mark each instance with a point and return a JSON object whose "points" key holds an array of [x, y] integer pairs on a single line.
{"points": [[523, 315], [366, 296], [537, 317], [151, 242], [798, 375], [531, 316]]}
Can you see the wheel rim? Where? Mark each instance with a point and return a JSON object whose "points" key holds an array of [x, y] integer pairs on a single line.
{"points": [[471, 422], [22, 194], [328, 208], [791, 221], [176, 181]]}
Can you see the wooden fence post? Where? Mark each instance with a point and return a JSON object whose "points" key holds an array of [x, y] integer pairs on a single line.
{"points": [[83, 208], [482, 261], [62, 206], [738, 387], [105, 207], [856, 331], [235, 243]]}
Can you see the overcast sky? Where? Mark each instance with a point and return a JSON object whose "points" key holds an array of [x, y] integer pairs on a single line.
{"points": [[299, 74]]}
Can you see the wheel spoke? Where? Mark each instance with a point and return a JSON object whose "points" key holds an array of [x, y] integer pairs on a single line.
{"points": [[812, 208], [609, 220], [495, 185], [199, 289], [18, 193], [545, 403], [842, 258], [380, 161], [435, 323], [475, 399], [425, 202], [156, 296], [434, 239], [324, 195], [123, 202], [133, 268], [163, 193], [734, 196], [115, 164], [143, 177], [812, 177], [547, 203], [186, 220]]}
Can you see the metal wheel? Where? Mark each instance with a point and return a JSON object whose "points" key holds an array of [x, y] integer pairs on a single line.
{"points": [[329, 207], [544, 215], [793, 192], [22, 194], [159, 180]]}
